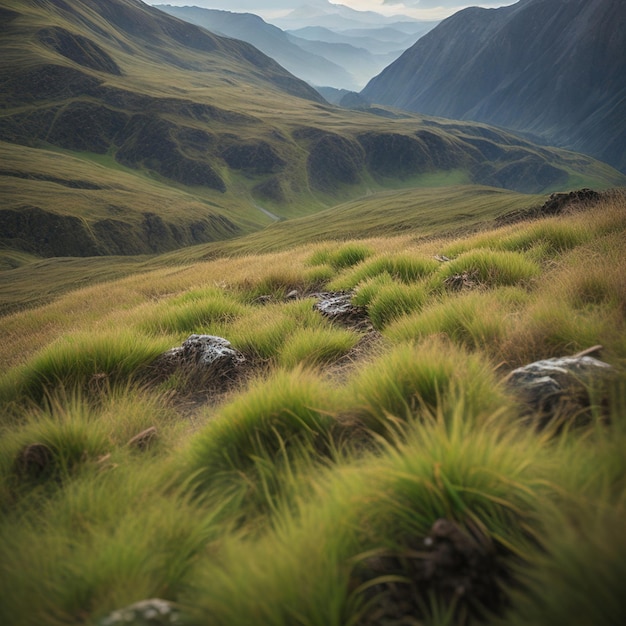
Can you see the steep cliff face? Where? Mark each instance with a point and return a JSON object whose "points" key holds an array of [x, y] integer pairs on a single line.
{"points": [[553, 68]]}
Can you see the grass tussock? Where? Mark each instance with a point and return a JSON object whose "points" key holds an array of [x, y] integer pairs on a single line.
{"points": [[314, 484], [413, 380], [402, 267], [341, 257], [82, 361], [490, 268]]}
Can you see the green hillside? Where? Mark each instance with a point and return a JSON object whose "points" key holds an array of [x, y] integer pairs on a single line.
{"points": [[375, 470], [126, 131]]}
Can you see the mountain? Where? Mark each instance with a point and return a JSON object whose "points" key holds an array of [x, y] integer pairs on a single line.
{"points": [[124, 130], [309, 65], [342, 60], [555, 69]]}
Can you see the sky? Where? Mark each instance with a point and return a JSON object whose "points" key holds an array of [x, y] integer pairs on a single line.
{"points": [[418, 9]]}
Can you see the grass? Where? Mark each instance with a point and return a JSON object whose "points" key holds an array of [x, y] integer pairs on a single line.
{"points": [[312, 482]]}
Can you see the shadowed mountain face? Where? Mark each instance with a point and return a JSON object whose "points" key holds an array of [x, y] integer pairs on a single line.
{"points": [[124, 130], [553, 68]]}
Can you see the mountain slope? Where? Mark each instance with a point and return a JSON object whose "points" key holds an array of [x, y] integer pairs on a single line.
{"points": [[551, 68], [271, 40], [127, 131]]}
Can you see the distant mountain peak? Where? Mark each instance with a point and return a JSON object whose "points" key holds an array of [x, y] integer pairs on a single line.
{"points": [[552, 68]]}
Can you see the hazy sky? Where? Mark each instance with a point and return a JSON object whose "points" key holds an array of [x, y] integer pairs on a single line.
{"points": [[420, 9]]}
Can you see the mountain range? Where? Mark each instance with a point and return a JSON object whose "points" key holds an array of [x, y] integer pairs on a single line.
{"points": [[553, 69], [342, 59], [124, 130]]}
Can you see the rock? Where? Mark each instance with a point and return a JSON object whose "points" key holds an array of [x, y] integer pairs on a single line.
{"points": [[558, 386], [464, 280], [201, 357], [338, 307], [154, 612], [34, 461], [462, 568], [556, 204]]}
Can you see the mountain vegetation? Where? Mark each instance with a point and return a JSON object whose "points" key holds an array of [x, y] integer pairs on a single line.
{"points": [[370, 469], [265, 360], [127, 131], [550, 69]]}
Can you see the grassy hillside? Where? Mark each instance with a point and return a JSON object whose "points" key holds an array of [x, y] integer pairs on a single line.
{"points": [[307, 488], [26, 280], [174, 136]]}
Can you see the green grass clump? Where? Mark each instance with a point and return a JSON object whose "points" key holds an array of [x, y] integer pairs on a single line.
{"points": [[313, 347], [77, 360], [490, 268], [110, 537], [448, 467], [79, 431], [577, 578], [413, 380], [396, 301], [461, 319], [402, 267], [263, 332], [387, 299], [342, 257], [551, 236], [193, 312], [290, 410]]}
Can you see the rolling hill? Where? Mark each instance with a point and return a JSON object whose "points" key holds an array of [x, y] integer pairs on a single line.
{"points": [[555, 70], [127, 131]]}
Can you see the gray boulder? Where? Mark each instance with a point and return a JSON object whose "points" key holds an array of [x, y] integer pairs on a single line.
{"points": [[200, 357], [559, 386], [338, 307], [153, 612]]}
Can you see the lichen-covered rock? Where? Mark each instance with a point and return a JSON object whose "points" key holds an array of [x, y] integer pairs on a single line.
{"points": [[154, 612], [553, 385], [200, 357], [338, 306]]}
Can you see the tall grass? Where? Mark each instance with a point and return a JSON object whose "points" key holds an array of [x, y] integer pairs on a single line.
{"points": [[490, 268], [402, 267], [280, 501], [476, 320], [291, 409], [344, 256], [314, 347], [196, 311], [81, 359], [413, 380]]}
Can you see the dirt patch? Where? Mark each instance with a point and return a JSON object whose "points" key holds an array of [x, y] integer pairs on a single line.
{"points": [[462, 569]]}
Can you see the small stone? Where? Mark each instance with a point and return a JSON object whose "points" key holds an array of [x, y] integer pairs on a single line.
{"points": [[34, 460], [153, 612], [338, 306]]}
